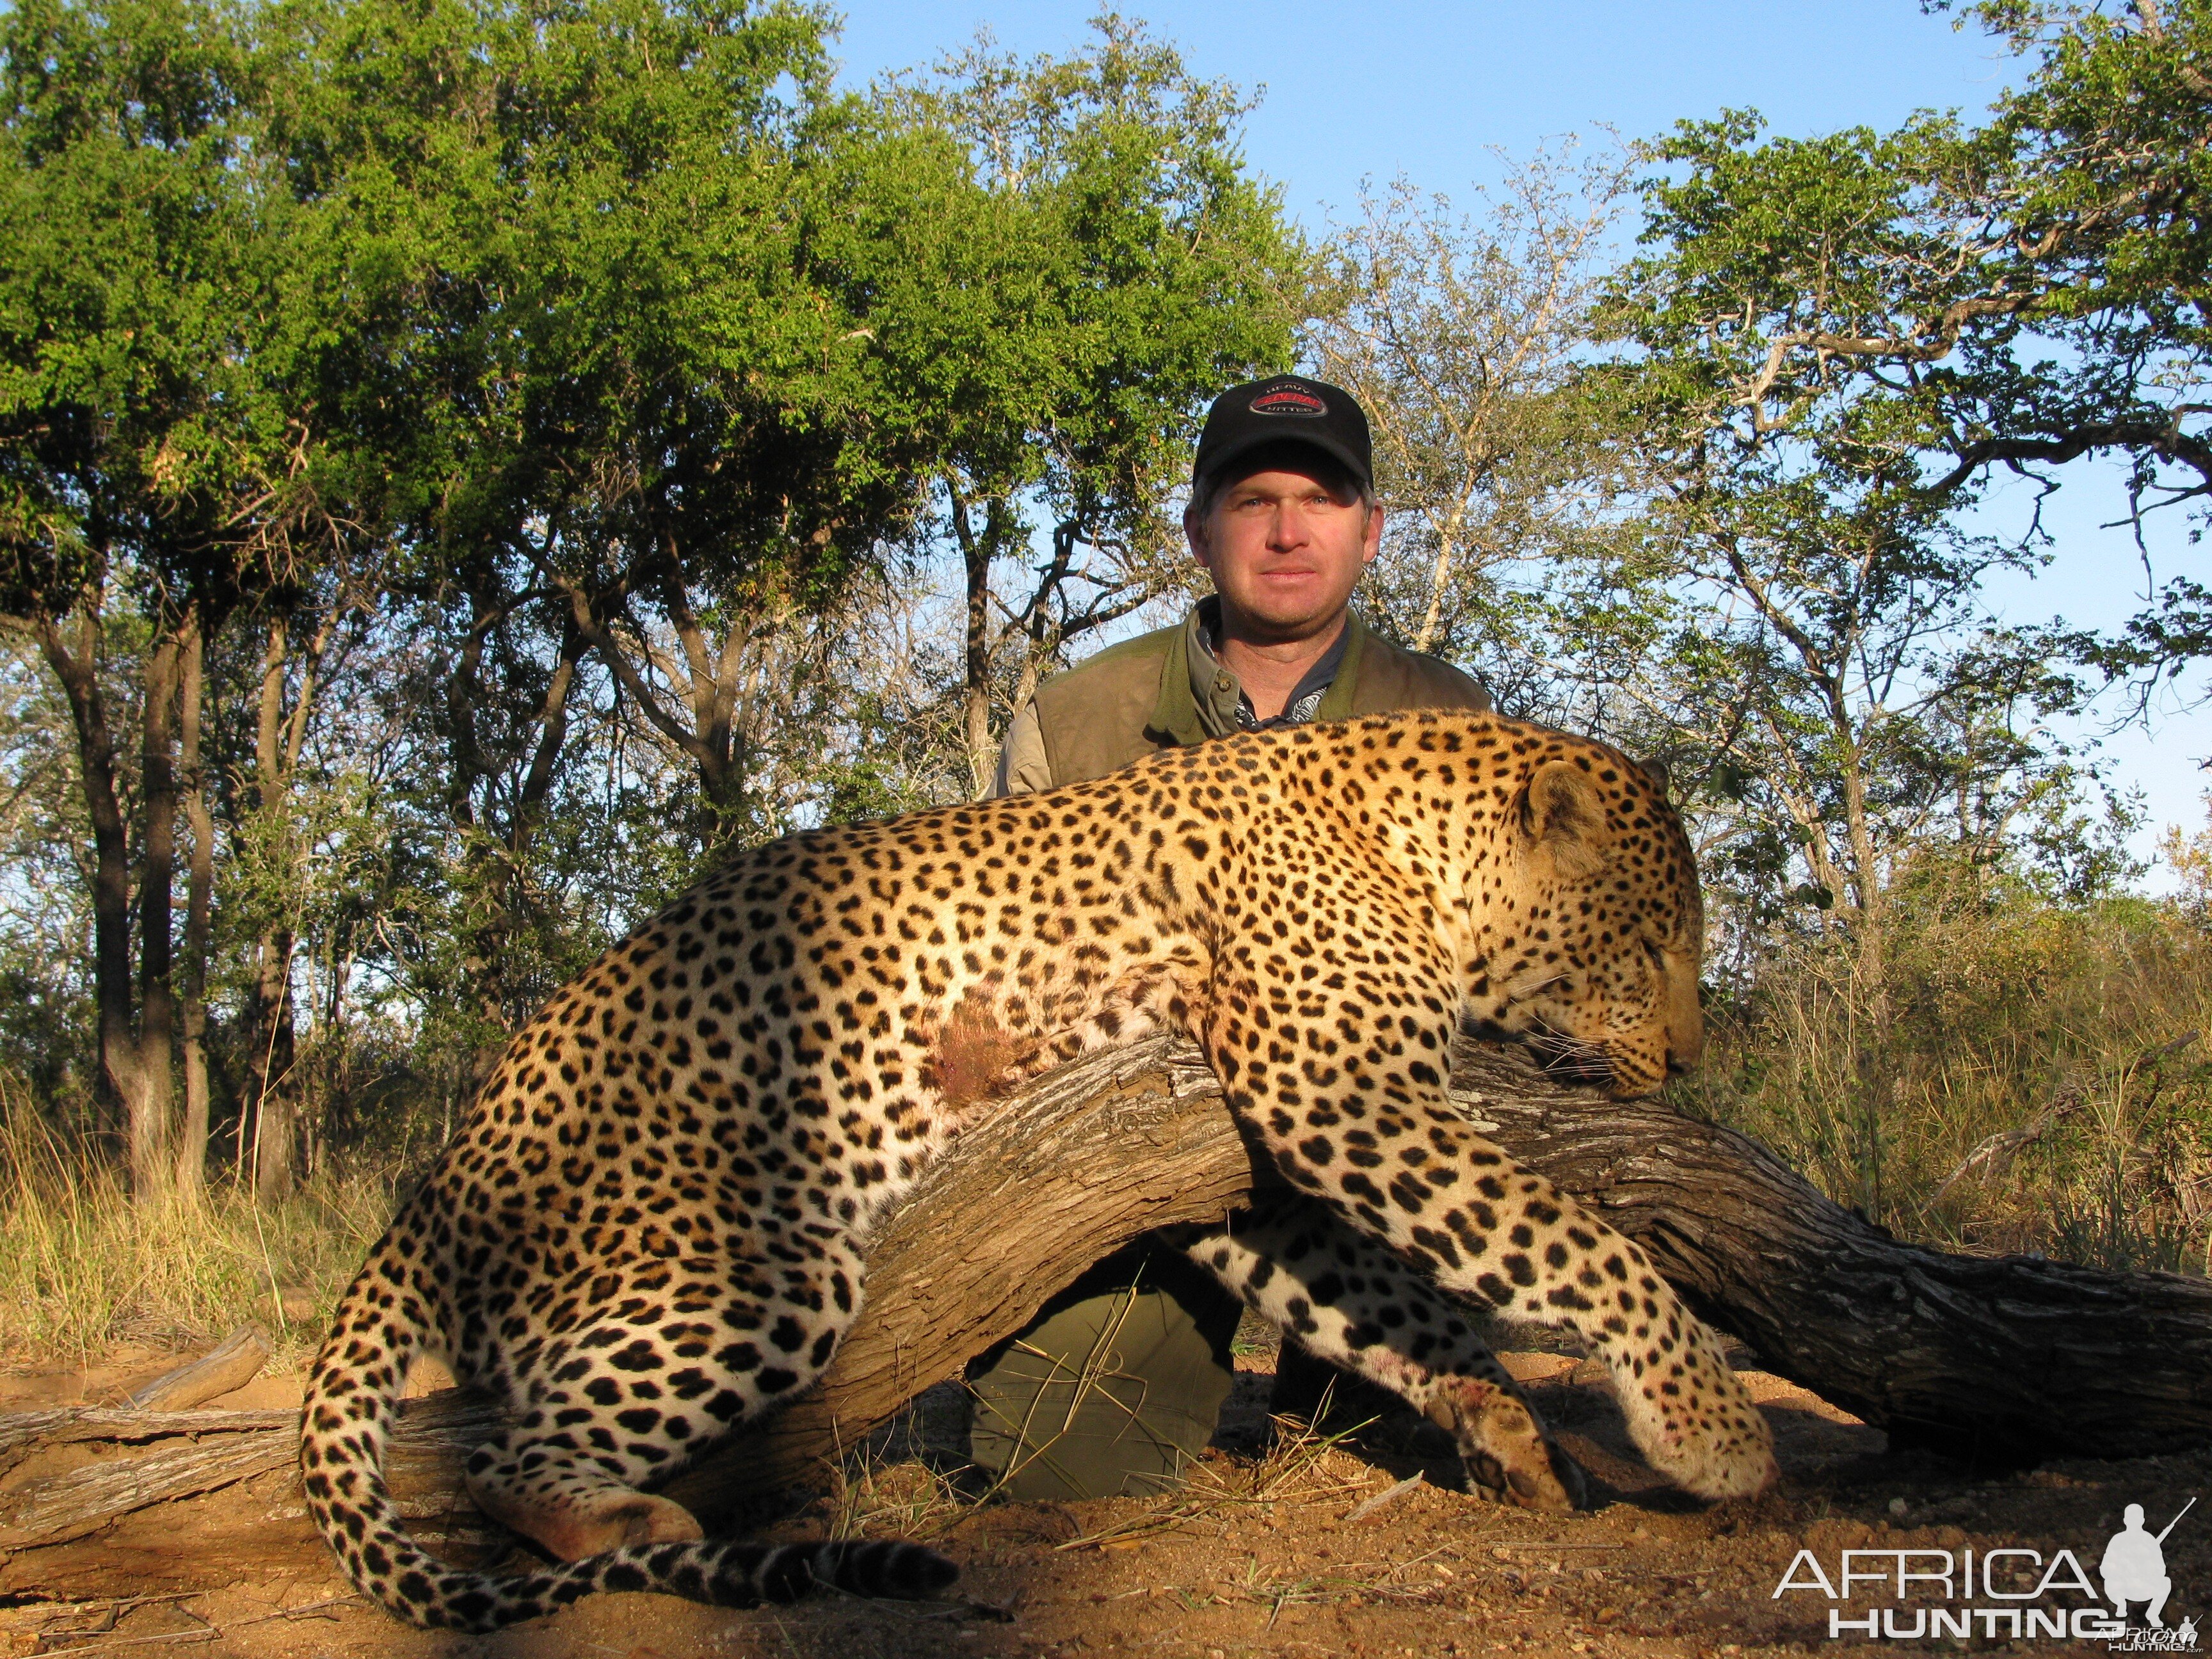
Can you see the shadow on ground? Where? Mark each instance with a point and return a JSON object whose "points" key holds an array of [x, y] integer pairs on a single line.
{"points": [[1284, 1543]]}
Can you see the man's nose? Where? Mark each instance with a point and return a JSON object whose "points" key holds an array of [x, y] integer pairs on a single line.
{"points": [[1289, 528]]}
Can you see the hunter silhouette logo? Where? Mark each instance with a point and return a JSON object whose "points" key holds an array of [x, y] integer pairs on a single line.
{"points": [[2134, 1570]]}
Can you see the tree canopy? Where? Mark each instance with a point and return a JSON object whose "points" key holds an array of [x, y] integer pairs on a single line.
{"points": [[453, 381]]}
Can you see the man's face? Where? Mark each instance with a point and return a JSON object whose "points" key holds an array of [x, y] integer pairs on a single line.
{"points": [[1285, 550]]}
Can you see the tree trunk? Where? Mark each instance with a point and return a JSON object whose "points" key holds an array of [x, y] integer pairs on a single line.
{"points": [[151, 1170], [465, 769], [192, 1137], [976, 549], [496, 849], [137, 1024], [2010, 1358], [272, 1079], [707, 715], [78, 672], [272, 1085]]}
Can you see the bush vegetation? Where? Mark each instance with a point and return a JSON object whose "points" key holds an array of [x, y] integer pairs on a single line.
{"points": [[2042, 1083], [84, 1267]]}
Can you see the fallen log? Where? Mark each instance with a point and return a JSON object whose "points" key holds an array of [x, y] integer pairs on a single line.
{"points": [[173, 1455], [232, 1363], [2010, 1359], [2011, 1356], [2015, 1358]]}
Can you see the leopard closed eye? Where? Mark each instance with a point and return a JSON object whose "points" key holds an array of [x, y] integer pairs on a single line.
{"points": [[651, 1226]]}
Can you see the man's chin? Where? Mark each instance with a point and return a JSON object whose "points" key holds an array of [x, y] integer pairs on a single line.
{"points": [[1286, 622]]}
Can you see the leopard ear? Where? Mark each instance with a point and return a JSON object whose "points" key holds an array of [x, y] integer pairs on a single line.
{"points": [[1656, 769], [1563, 822]]}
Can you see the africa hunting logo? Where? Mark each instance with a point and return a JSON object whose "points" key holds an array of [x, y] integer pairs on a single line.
{"points": [[1986, 1595]]}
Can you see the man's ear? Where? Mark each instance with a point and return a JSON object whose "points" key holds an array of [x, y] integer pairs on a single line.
{"points": [[1563, 822], [1195, 534]]}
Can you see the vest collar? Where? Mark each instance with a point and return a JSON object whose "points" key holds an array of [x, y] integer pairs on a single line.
{"points": [[1177, 714]]}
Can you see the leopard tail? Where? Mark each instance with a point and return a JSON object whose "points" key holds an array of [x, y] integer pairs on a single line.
{"points": [[352, 1402]]}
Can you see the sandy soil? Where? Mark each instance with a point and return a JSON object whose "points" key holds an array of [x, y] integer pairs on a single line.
{"points": [[1282, 1544]]}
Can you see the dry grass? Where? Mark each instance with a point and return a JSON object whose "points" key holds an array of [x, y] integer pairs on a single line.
{"points": [[905, 1499], [910, 1481], [2043, 1082], [1302, 1465], [83, 1267]]}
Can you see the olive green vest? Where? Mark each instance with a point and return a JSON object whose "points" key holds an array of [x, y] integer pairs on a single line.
{"points": [[1135, 698]]}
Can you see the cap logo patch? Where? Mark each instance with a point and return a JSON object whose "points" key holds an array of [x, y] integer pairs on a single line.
{"points": [[1288, 400]]}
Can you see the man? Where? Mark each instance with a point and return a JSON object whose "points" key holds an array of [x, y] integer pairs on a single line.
{"points": [[1282, 516], [1122, 1378]]}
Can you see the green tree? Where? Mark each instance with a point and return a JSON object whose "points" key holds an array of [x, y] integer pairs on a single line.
{"points": [[708, 445], [1825, 347], [1083, 263], [130, 472], [616, 277], [2012, 296]]}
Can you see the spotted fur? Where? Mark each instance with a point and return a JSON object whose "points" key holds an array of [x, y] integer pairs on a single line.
{"points": [[651, 1227]]}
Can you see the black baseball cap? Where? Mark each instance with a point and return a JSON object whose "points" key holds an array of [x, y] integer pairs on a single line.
{"points": [[1285, 409]]}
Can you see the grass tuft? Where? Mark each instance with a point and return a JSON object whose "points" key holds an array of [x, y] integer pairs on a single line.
{"points": [[2021, 1077], [82, 1267]]}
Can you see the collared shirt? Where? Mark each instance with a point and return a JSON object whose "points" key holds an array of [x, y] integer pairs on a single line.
{"points": [[1223, 706]]}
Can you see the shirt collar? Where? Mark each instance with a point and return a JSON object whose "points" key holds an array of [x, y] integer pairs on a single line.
{"points": [[1223, 707]]}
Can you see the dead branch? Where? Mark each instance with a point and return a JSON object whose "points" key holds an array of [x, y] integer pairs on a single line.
{"points": [[234, 1362], [1994, 1153]]}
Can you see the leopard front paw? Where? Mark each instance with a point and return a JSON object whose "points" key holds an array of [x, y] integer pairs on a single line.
{"points": [[1508, 1455], [1699, 1428]]}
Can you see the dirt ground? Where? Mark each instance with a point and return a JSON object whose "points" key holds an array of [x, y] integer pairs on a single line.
{"points": [[1283, 1544]]}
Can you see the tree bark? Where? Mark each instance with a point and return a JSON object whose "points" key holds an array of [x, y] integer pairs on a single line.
{"points": [[2012, 1358], [151, 1111], [2001, 1358], [976, 551], [77, 671], [193, 1137], [498, 846], [137, 1023], [271, 1085], [232, 1363]]}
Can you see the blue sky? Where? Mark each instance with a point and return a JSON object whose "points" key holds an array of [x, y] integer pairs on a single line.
{"points": [[1432, 91], [1354, 91]]}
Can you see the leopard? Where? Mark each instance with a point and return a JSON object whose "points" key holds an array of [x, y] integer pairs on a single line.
{"points": [[651, 1227]]}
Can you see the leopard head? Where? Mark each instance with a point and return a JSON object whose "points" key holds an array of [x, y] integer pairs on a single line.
{"points": [[1594, 962]]}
